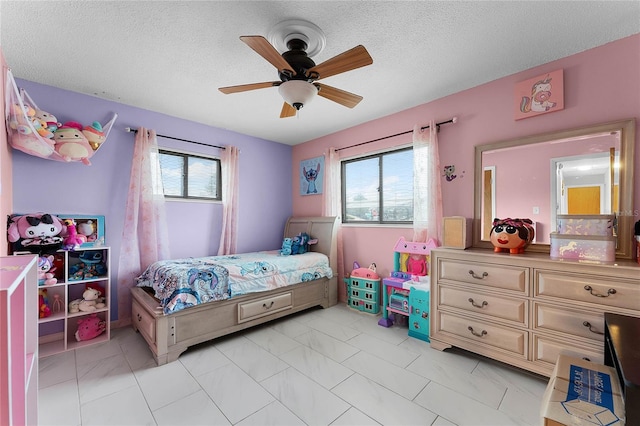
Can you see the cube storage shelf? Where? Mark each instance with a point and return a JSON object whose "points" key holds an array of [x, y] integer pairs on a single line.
{"points": [[363, 294], [57, 331]]}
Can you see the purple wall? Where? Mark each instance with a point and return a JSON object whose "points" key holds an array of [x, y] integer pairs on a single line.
{"points": [[101, 189]]}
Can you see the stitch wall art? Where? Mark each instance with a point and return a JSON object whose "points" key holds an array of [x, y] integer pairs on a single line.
{"points": [[539, 95], [311, 176]]}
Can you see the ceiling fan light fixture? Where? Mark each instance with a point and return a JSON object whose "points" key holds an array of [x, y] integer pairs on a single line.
{"points": [[297, 93]]}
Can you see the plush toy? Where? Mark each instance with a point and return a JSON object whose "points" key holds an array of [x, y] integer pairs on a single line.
{"points": [[74, 306], [94, 134], [88, 302], [32, 144], [21, 117], [286, 247], [72, 241], [50, 121], [90, 328], [37, 233], [300, 243], [512, 235], [87, 229], [417, 265], [100, 301], [90, 266], [91, 300], [45, 269], [43, 303], [71, 144]]}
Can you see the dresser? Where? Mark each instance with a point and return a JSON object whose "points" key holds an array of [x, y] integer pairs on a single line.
{"points": [[526, 309]]}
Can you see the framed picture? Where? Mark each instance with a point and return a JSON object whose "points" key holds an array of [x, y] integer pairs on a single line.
{"points": [[90, 226], [539, 95], [311, 176]]}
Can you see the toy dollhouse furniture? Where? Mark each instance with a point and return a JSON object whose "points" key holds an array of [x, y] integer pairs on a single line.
{"points": [[363, 294], [406, 291], [18, 340]]}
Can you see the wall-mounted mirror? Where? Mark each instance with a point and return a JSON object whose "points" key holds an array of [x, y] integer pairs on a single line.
{"points": [[588, 170]]}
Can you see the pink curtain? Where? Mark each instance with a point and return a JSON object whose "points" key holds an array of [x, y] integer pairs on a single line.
{"points": [[145, 238], [331, 207], [229, 236], [427, 193]]}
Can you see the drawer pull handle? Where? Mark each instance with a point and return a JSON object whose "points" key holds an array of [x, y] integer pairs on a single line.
{"points": [[139, 317], [588, 324], [609, 292], [264, 305], [483, 333], [475, 305], [478, 277]]}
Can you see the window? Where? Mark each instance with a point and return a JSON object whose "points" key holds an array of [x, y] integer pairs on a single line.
{"points": [[190, 176], [378, 188]]}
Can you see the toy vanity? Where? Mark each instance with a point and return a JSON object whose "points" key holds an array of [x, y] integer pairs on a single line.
{"points": [[405, 294]]}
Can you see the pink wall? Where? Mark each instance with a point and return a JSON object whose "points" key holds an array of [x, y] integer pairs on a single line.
{"points": [[6, 186], [601, 85]]}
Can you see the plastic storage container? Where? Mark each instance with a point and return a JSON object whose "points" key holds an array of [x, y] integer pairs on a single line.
{"points": [[583, 247], [588, 224]]}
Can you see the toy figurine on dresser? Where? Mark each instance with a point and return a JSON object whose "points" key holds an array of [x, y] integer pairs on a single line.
{"points": [[511, 235]]}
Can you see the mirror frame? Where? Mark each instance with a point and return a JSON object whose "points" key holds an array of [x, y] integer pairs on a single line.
{"points": [[627, 129]]}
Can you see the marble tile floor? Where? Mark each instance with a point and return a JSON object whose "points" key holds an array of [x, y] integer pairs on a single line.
{"points": [[320, 367]]}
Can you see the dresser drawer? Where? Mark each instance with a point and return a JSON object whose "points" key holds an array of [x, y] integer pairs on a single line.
{"points": [[484, 274], [574, 322], [473, 301], [546, 350], [477, 331], [144, 322], [268, 305], [587, 288]]}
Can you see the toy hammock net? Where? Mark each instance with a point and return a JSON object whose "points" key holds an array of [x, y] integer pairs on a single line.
{"points": [[38, 133]]}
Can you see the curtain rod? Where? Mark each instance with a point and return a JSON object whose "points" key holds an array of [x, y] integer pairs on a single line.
{"points": [[130, 130], [453, 120]]}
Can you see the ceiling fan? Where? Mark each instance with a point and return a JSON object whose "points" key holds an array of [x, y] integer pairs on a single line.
{"points": [[298, 73]]}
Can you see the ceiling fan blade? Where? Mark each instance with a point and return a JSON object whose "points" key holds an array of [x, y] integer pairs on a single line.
{"points": [[337, 95], [265, 49], [346, 61], [246, 87], [287, 111]]}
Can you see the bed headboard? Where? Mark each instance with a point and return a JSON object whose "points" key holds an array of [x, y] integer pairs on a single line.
{"points": [[325, 229]]}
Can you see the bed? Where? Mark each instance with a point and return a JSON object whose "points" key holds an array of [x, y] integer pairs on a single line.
{"points": [[170, 334]]}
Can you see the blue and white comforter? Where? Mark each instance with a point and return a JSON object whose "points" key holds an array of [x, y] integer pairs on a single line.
{"points": [[182, 283]]}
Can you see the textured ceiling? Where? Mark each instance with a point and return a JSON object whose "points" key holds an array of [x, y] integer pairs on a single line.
{"points": [[171, 57]]}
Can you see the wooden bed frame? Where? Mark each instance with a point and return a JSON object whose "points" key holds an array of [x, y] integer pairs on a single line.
{"points": [[170, 335]]}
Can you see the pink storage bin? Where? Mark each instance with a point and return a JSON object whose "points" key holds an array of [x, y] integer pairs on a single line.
{"points": [[583, 247], [586, 224]]}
